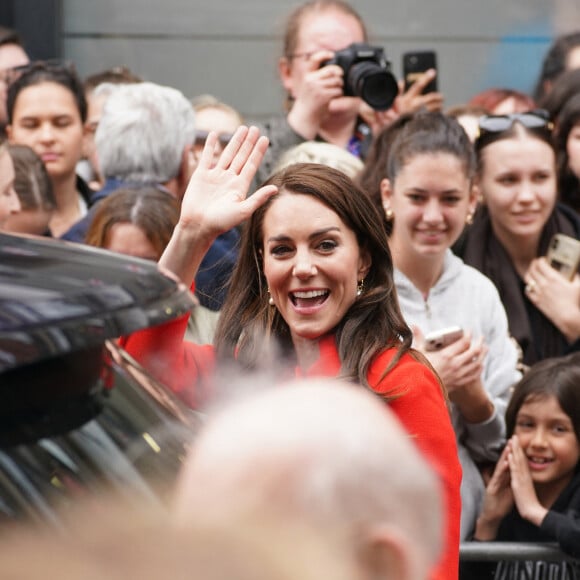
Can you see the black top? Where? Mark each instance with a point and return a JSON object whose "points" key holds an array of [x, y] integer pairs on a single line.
{"points": [[561, 525], [537, 336]]}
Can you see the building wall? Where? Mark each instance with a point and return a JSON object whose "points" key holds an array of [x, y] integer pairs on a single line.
{"points": [[230, 47]]}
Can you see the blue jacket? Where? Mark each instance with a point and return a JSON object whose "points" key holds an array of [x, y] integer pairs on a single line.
{"points": [[216, 268]]}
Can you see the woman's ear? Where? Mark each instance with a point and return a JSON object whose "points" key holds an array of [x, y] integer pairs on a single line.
{"points": [[365, 263], [476, 196], [285, 73], [386, 193]]}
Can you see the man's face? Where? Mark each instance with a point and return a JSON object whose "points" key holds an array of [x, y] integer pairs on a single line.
{"points": [[11, 55]]}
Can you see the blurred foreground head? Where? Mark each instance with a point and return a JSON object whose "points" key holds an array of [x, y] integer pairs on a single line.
{"points": [[325, 455], [107, 540]]}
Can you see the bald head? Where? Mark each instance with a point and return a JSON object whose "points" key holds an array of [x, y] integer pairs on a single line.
{"points": [[320, 451], [110, 540]]}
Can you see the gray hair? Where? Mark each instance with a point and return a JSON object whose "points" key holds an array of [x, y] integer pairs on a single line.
{"points": [[143, 131]]}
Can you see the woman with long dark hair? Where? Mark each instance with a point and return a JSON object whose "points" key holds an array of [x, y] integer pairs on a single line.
{"points": [[313, 291]]}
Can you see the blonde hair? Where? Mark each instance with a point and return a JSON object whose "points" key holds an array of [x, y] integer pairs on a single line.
{"points": [[206, 101], [324, 154]]}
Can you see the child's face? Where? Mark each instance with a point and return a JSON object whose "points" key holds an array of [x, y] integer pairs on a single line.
{"points": [[547, 437]]}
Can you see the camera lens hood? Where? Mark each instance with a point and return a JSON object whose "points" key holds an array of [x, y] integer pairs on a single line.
{"points": [[374, 84]]}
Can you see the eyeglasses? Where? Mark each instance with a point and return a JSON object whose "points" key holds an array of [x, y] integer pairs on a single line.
{"points": [[304, 55], [201, 138], [8, 75], [537, 119]]}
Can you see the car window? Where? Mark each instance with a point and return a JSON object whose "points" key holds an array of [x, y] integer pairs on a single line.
{"points": [[133, 441]]}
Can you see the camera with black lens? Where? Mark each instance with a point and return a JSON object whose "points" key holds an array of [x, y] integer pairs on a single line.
{"points": [[367, 74]]}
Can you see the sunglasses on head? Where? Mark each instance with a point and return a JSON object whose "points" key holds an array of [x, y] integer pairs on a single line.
{"points": [[201, 137], [537, 119]]}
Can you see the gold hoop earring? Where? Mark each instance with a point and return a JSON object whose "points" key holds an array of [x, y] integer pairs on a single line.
{"points": [[360, 287]]}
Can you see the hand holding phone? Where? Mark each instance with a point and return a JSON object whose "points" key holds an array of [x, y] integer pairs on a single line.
{"points": [[564, 255], [441, 338], [416, 64]]}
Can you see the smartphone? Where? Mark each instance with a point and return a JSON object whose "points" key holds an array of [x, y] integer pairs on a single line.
{"points": [[441, 338], [415, 64], [564, 254]]}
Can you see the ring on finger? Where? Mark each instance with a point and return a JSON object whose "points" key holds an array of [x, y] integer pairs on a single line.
{"points": [[530, 286]]}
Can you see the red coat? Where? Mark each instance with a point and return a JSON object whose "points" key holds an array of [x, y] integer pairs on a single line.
{"points": [[421, 408]]}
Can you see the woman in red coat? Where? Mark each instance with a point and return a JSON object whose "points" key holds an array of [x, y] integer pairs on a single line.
{"points": [[312, 292]]}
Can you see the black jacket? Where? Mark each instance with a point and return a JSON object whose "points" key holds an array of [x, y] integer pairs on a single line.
{"points": [[561, 525]]}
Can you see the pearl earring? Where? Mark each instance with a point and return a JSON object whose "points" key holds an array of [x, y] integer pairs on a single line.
{"points": [[360, 287], [389, 214]]}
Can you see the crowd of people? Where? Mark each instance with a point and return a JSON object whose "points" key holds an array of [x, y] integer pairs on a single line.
{"points": [[332, 242]]}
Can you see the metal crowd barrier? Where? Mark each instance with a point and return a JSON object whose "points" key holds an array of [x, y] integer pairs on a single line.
{"points": [[519, 561], [511, 551]]}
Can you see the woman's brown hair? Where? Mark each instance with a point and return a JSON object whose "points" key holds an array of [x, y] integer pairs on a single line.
{"points": [[31, 179], [249, 326], [153, 211]]}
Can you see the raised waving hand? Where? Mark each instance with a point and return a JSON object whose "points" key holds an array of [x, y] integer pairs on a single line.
{"points": [[216, 199]]}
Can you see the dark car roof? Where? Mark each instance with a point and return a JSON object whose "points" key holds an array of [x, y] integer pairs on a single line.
{"points": [[57, 297]]}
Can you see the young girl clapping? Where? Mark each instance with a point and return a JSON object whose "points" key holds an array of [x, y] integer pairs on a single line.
{"points": [[534, 493]]}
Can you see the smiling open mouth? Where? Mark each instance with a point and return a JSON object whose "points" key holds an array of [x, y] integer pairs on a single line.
{"points": [[539, 460], [309, 298]]}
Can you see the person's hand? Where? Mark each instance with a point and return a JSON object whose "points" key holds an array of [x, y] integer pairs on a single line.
{"points": [[555, 296], [376, 120], [497, 501], [314, 93], [522, 486], [406, 102], [216, 197], [216, 200], [412, 100], [460, 367], [458, 364]]}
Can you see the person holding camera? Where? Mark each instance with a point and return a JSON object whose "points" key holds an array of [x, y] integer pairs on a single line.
{"points": [[325, 42]]}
